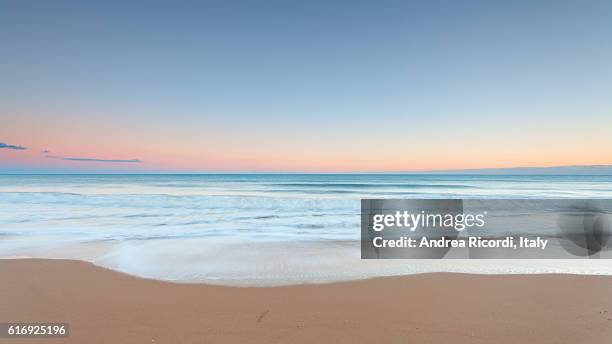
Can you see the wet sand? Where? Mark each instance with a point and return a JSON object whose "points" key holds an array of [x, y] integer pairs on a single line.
{"points": [[104, 306]]}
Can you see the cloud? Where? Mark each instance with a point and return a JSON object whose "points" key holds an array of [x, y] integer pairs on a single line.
{"points": [[7, 146], [103, 160], [51, 156]]}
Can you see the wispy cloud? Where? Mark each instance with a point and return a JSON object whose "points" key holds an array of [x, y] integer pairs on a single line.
{"points": [[102, 160], [7, 146], [52, 156]]}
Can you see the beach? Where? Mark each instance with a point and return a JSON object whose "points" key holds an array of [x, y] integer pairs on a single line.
{"points": [[428, 172], [104, 306]]}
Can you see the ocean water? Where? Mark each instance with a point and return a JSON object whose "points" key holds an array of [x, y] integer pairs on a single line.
{"points": [[248, 229]]}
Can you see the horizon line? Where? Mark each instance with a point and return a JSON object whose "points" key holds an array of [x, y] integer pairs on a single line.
{"points": [[519, 170]]}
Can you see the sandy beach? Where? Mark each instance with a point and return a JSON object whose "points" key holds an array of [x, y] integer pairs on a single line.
{"points": [[104, 306]]}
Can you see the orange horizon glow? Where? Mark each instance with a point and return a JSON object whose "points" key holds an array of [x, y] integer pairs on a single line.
{"points": [[181, 148], [279, 161]]}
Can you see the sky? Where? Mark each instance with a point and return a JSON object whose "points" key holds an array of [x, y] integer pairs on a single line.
{"points": [[303, 86]]}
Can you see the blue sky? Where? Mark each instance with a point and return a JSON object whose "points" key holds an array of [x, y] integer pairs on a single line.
{"points": [[306, 86]]}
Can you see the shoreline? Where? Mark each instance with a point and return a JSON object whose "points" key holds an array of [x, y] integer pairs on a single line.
{"points": [[264, 264], [296, 283], [103, 306]]}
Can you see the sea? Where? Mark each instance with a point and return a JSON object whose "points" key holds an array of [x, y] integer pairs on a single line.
{"points": [[251, 229]]}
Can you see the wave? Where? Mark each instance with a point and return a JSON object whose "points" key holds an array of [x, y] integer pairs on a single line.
{"points": [[373, 185], [238, 227]]}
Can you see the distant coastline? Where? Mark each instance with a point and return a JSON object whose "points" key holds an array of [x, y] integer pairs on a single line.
{"points": [[556, 170]]}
